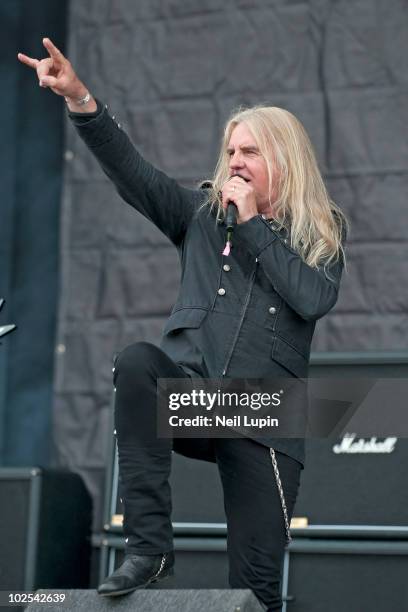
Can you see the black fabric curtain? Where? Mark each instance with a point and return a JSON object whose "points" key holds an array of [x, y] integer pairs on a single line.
{"points": [[31, 164]]}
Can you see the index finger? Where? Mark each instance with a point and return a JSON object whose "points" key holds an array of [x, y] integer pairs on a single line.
{"points": [[29, 61], [52, 50]]}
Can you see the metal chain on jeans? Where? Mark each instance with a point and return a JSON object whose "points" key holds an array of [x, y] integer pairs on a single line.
{"points": [[281, 495]]}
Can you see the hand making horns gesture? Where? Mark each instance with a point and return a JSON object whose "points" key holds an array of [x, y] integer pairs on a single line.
{"points": [[57, 73]]}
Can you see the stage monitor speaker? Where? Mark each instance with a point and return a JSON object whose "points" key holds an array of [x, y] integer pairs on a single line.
{"points": [[149, 600], [45, 530], [354, 482]]}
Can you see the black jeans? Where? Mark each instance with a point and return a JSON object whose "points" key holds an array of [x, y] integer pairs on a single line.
{"points": [[256, 532]]}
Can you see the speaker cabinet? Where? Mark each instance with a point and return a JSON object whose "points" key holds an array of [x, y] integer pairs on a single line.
{"points": [[353, 575], [45, 530], [354, 488]]}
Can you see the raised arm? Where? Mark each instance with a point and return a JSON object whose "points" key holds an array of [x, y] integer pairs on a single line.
{"points": [[161, 199], [158, 197]]}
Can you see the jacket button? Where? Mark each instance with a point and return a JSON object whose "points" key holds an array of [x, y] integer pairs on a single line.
{"points": [[221, 291], [272, 310], [226, 267]]}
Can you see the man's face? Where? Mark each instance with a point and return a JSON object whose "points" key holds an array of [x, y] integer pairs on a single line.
{"points": [[246, 160]]}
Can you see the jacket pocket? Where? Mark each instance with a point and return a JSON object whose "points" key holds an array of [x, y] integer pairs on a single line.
{"points": [[185, 318], [289, 357]]}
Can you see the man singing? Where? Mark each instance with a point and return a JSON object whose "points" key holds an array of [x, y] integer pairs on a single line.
{"points": [[247, 313]]}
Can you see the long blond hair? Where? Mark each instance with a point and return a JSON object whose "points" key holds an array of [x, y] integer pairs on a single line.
{"points": [[317, 225]]}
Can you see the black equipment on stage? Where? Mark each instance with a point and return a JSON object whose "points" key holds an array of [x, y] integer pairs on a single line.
{"points": [[358, 570], [353, 488], [157, 600], [336, 487], [45, 530], [340, 486]]}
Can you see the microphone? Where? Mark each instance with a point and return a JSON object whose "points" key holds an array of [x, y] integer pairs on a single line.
{"points": [[232, 210], [231, 216], [230, 222]]}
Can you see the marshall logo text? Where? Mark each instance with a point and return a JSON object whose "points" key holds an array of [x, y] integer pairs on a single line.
{"points": [[351, 445]]}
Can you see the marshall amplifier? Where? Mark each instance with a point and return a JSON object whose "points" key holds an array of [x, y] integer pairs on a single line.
{"points": [[355, 482], [348, 481]]}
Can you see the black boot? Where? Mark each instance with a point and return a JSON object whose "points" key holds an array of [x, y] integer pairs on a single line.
{"points": [[136, 572]]}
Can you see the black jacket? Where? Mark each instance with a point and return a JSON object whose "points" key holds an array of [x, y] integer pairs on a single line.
{"points": [[235, 316]]}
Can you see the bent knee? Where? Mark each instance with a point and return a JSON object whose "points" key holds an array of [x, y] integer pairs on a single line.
{"points": [[136, 358]]}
